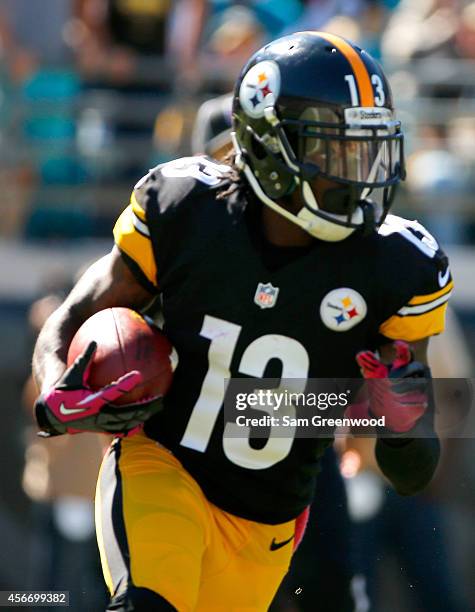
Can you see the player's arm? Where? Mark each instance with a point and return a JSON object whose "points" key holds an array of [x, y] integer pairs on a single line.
{"points": [[106, 283], [66, 403], [411, 310], [399, 387], [126, 277]]}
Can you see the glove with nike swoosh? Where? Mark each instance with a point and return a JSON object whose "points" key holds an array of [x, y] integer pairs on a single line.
{"points": [[400, 391], [71, 406]]}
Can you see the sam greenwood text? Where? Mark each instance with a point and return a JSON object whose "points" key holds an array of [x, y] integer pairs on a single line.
{"points": [[317, 420]]}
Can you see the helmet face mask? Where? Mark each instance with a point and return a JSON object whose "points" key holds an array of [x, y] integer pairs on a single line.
{"points": [[300, 141], [362, 154]]}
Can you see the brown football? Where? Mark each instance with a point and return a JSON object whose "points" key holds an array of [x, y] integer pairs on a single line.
{"points": [[125, 342]]}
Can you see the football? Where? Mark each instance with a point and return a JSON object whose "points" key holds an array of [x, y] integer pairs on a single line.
{"points": [[125, 342]]}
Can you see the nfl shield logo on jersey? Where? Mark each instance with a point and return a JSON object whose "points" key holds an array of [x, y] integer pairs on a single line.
{"points": [[266, 295]]}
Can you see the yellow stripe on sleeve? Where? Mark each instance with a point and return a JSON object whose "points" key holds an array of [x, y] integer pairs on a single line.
{"points": [[357, 65], [423, 299], [138, 210], [134, 244], [412, 328]]}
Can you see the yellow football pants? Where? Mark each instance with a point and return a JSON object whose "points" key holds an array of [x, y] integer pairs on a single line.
{"points": [[157, 530]]}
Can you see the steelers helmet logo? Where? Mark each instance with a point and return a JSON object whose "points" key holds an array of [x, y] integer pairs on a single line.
{"points": [[260, 88], [342, 309]]}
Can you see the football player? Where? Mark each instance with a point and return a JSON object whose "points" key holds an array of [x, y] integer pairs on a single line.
{"points": [[323, 567], [283, 263]]}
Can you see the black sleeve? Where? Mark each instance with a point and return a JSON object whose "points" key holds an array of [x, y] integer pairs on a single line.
{"points": [[410, 459], [408, 463]]}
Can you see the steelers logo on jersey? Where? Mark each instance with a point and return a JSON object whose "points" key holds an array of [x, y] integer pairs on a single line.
{"points": [[260, 88], [342, 309]]}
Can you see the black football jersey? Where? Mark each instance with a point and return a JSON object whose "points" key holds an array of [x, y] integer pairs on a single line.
{"points": [[234, 306]]}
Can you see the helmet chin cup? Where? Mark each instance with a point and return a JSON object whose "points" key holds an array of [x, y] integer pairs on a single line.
{"points": [[324, 225], [326, 230]]}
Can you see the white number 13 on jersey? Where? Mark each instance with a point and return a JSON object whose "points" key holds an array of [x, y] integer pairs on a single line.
{"points": [[224, 336]]}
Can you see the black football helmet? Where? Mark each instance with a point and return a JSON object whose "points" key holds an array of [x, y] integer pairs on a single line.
{"points": [[311, 109]]}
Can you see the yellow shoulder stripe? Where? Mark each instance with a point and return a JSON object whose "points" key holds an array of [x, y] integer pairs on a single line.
{"points": [[415, 327], [422, 299], [134, 244], [138, 210]]}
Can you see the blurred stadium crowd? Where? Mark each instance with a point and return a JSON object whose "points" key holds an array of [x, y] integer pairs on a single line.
{"points": [[92, 94]]}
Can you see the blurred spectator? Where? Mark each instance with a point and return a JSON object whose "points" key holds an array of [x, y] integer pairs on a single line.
{"points": [[129, 42], [465, 35], [436, 171], [461, 138], [42, 89], [362, 21], [433, 168], [17, 184], [33, 34], [317, 13], [372, 21], [133, 55], [435, 32], [236, 34], [169, 132], [419, 28], [232, 39], [274, 16]]}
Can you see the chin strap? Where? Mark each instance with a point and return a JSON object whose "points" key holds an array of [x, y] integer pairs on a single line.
{"points": [[369, 221], [260, 193]]}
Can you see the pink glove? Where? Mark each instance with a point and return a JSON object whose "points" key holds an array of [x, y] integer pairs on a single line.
{"points": [[399, 392], [71, 406]]}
